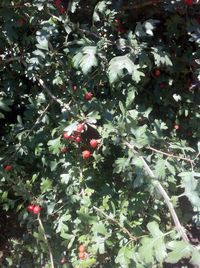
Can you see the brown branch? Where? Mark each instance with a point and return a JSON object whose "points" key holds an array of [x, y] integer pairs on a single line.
{"points": [[164, 194], [138, 6], [116, 222], [170, 155]]}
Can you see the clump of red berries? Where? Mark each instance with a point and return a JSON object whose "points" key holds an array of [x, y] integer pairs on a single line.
{"points": [[35, 209], [58, 4], [8, 168]]}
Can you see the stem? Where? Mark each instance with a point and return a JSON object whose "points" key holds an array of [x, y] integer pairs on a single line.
{"points": [[164, 194], [46, 240], [116, 222]]}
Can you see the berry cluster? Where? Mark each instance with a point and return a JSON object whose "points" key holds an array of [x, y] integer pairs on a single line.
{"points": [[35, 209], [58, 4], [76, 137]]}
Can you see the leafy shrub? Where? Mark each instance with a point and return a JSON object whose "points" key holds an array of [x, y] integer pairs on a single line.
{"points": [[99, 107]]}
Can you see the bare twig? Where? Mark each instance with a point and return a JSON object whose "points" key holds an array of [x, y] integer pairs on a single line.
{"points": [[5, 61], [44, 86], [170, 155], [116, 222], [164, 194], [47, 242]]}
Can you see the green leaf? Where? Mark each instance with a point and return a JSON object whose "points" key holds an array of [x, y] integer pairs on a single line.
{"points": [[86, 59], [124, 257], [195, 260], [54, 145], [180, 249], [46, 185]]}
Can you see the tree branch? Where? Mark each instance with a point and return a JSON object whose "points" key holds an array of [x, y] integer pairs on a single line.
{"points": [[164, 194], [116, 222]]}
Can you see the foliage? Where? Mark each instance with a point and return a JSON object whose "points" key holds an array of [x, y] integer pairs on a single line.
{"points": [[141, 67]]}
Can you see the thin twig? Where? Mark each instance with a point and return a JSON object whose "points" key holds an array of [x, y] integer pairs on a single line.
{"points": [[47, 242], [116, 222], [164, 194], [170, 155], [44, 86], [5, 61]]}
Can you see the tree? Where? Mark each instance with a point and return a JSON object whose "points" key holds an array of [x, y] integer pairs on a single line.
{"points": [[100, 131]]}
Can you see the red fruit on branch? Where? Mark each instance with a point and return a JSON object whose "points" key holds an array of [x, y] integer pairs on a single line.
{"points": [[74, 87], [8, 168], [93, 143], [64, 150], [81, 248], [66, 136], [176, 126], [63, 260], [78, 139], [188, 2], [80, 127], [30, 208], [162, 85], [86, 154], [36, 209], [157, 72], [88, 96], [81, 255]]}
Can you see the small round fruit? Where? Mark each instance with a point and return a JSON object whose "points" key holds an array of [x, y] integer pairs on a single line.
{"points": [[157, 72], [188, 2], [86, 154], [63, 260], [176, 126], [93, 143], [36, 209], [74, 87], [88, 96], [81, 248], [78, 139], [8, 168], [64, 150], [66, 136], [80, 127], [162, 85], [81, 255], [30, 208]]}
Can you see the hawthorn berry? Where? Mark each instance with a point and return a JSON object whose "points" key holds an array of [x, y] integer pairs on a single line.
{"points": [[81, 255], [63, 260], [66, 136], [74, 87], [157, 72], [86, 154], [63, 150], [80, 127], [8, 168], [93, 143], [88, 96], [176, 126], [188, 2], [162, 85], [77, 139], [81, 248], [30, 208], [36, 209]]}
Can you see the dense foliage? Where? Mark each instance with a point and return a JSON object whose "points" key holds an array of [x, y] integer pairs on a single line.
{"points": [[100, 116]]}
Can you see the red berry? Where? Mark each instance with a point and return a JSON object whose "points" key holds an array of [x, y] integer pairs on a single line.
{"points": [[117, 21], [21, 21], [64, 150], [81, 255], [8, 168], [78, 139], [176, 126], [162, 85], [63, 260], [188, 2], [86, 154], [36, 209], [74, 88], [30, 208], [81, 248], [80, 127], [93, 143], [88, 96], [66, 136], [157, 72]]}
